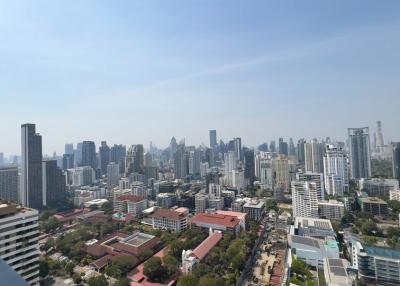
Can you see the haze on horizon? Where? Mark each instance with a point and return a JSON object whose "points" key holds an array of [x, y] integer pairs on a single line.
{"points": [[138, 71]]}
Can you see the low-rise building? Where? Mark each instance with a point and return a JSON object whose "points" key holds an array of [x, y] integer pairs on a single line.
{"points": [[175, 220], [313, 251], [191, 257], [331, 209], [374, 206], [254, 208], [130, 204], [241, 216], [216, 221], [378, 187], [312, 227], [335, 272]]}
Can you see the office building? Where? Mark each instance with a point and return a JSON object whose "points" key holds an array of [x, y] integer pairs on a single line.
{"points": [[9, 183], [396, 160], [166, 200], [313, 156], [283, 148], [19, 248], [360, 154], [78, 154], [81, 176], [281, 172], [335, 171], [112, 174], [304, 199], [300, 151], [230, 163], [213, 138], [104, 155], [238, 148], [117, 155], [53, 183], [181, 164], [201, 202], [68, 161], [249, 167], [1, 158], [89, 154], [69, 149], [31, 187]]}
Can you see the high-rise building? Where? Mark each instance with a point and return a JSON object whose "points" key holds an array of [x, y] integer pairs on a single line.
{"points": [[19, 248], [317, 178], [230, 163], [68, 161], [396, 160], [272, 146], [360, 154], [181, 162], [53, 183], [238, 148], [31, 167], [249, 167], [283, 147], [1, 158], [213, 138], [89, 154], [281, 170], [292, 148], [304, 199], [335, 171], [134, 161], [117, 155], [104, 153], [69, 148], [9, 183], [112, 174], [300, 151], [313, 155], [194, 162], [379, 136]]}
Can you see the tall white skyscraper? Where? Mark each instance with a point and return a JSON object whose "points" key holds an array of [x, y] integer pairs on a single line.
{"points": [[230, 163], [304, 199], [335, 171], [360, 153], [113, 174]]}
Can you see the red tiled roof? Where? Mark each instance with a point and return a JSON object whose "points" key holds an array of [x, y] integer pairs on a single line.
{"points": [[205, 247], [216, 219], [165, 213], [230, 213], [131, 198]]}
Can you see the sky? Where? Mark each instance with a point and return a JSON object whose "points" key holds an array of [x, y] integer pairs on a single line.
{"points": [[131, 72]]}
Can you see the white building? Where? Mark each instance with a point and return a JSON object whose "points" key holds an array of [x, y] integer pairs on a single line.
{"points": [[130, 204], [304, 199], [331, 209], [238, 180], [335, 171], [254, 208], [19, 246], [335, 272], [317, 178], [81, 176], [175, 220], [313, 153], [230, 164], [394, 195], [201, 202]]}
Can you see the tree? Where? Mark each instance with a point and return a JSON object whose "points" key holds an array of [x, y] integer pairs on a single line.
{"points": [[94, 207], [43, 268], [124, 264], [123, 281], [77, 278], [171, 264], [98, 281], [188, 280], [211, 280], [69, 267], [146, 254], [154, 270], [369, 228], [107, 208]]}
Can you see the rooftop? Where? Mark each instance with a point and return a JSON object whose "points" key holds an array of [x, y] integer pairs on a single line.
{"points": [[130, 198], [335, 271], [254, 204], [373, 200], [313, 222], [239, 215], [216, 219], [205, 247], [171, 214]]}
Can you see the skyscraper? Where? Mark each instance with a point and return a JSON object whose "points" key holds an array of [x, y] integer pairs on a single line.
{"points": [[335, 171], [68, 161], [31, 167], [379, 136], [53, 183], [117, 155], [89, 154], [1, 158], [112, 174], [292, 148], [300, 151], [181, 163], [360, 155], [104, 152], [134, 161], [313, 155], [396, 160], [69, 148], [249, 166], [283, 147], [213, 138], [238, 148], [9, 183]]}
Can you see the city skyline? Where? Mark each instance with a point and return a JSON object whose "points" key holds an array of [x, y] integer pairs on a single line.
{"points": [[272, 66]]}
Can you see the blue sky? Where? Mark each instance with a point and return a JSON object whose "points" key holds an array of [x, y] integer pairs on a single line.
{"points": [[134, 71]]}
